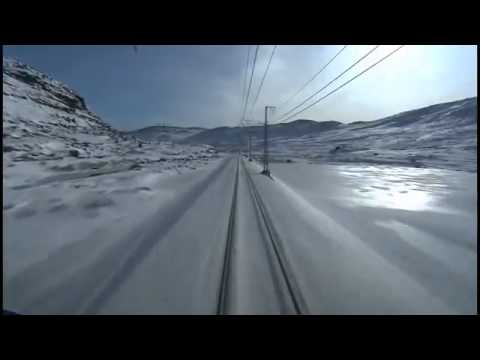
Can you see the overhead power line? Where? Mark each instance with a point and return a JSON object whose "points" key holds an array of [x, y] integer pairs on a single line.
{"points": [[263, 78], [313, 77], [324, 87], [250, 82], [245, 74], [345, 83]]}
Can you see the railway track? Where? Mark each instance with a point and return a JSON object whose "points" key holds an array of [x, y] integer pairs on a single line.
{"points": [[223, 293], [291, 294]]}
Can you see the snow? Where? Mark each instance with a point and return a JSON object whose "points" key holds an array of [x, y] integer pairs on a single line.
{"points": [[98, 219], [426, 248], [149, 242], [75, 208]]}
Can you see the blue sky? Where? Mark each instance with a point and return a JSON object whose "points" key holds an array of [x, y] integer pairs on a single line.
{"points": [[202, 85]]}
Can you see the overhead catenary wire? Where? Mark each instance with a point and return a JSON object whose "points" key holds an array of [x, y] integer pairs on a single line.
{"points": [[245, 104], [345, 83], [245, 74], [244, 92], [263, 78], [329, 83], [313, 77], [250, 82]]}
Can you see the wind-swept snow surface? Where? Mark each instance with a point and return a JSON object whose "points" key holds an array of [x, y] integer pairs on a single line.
{"points": [[378, 239], [224, 239]]}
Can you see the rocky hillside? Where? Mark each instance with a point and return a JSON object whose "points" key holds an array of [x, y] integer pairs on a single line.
{"points": [[165, 133], [44, 119], [47, 122], [442, 136]]}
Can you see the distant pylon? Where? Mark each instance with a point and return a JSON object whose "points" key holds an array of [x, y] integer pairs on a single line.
{"points": [[266, 169], [249, 146]]}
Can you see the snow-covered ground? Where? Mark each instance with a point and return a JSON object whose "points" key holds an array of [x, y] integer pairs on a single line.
{"points": [[356, 240], [57, 229], [379, 239]]}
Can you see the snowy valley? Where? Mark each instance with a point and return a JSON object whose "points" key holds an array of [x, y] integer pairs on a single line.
{"points": [[363, 218]]}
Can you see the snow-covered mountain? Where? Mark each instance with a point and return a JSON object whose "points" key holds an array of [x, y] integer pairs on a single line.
{"points": [[441, 135], [165, 133], [45, 120]]}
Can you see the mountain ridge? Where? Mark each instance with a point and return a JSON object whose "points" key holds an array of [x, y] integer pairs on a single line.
{"points": [[295, 128]]}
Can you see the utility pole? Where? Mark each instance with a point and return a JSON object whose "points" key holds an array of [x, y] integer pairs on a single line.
{"points": [[266, 170], [249, 146]]}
